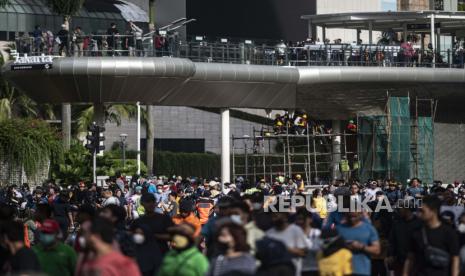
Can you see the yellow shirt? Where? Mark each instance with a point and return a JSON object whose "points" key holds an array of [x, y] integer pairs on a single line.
{"points": [[319, 203], [337, 264]]}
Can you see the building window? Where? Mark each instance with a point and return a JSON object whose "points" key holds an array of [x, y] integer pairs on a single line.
{"points": [[439, 5]]}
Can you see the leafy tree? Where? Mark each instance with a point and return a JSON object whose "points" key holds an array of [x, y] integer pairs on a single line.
{"points": [[113, 114], [15, 104], [66, 8], [29, 144], [4, 3], [76, 166]]}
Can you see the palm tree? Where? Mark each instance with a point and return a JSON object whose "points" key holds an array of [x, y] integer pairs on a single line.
{"points": [[14, 103], [66, 8], [113, 114], [4, 3]]}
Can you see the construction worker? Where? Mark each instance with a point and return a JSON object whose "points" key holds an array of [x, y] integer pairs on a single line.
{"points": [[345, 169], [352, 127], [300, 183], [300, 124], [279, 124]]}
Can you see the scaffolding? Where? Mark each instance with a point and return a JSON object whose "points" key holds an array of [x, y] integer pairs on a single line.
{"points": [[400, 143], [264, 155]]}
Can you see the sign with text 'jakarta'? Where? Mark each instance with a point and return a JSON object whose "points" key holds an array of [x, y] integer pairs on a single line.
{"points": [[32, 63]]}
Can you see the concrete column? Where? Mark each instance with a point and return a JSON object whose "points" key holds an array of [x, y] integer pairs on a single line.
{"points": [[66, 125], [336, 150], [370, 32], [438, 40], [225, 147], [310, 31], [433, 39], [150, 138], [323, 33], [405, 32]]}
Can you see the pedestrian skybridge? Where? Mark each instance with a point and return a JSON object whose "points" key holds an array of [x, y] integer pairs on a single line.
{"points": [[331, 92]]}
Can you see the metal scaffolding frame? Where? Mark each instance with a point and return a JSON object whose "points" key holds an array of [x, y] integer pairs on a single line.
{"points": [[309, 155]]}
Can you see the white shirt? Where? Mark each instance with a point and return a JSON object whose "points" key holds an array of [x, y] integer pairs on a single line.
{"points": [[371, 193], [111, 200]]}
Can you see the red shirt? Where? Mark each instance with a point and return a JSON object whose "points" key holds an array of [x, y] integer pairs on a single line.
{"points": [[112, 264]]}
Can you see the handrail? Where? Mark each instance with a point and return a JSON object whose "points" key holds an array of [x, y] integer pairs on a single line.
{"points": [[150, 45]]}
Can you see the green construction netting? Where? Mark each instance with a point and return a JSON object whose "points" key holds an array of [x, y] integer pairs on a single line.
{"points": [[384, 142], [423, 166]]}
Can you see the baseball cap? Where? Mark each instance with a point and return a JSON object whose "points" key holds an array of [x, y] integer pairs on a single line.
{"points": [[49, 226]]}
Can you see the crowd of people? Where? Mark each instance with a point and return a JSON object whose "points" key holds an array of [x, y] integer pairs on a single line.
{"points": [[134, 41], [299, 123], [175, 226], [76, 42]]}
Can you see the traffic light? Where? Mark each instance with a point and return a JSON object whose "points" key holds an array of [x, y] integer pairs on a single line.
{"points": [[94, 137]]}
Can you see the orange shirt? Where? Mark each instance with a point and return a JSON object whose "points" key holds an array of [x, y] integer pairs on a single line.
{"points": [[191, 219]]}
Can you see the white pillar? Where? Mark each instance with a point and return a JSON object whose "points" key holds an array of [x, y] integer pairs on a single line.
{"points": [[225, 148], [336, 150], [138, 138], [66, 124]]}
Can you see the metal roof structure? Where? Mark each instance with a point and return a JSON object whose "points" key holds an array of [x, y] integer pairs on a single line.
{"points": [[96, 15], [395, 21], [325, 92]]}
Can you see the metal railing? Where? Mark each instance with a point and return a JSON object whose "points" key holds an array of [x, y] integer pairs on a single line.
{"points": [[240, 53]]}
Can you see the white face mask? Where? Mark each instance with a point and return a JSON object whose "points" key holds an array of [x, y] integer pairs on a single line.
{"points": [[236, 219], [82, 242], [138, 238], [461, 228]]}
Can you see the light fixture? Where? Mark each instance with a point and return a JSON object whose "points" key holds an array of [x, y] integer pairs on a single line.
{"points": [[248, 41], [199, 38], [224, 40]]}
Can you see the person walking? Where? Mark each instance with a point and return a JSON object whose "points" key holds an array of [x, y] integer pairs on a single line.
{"points": [[55, 257], [434, 248], [184, 259]]}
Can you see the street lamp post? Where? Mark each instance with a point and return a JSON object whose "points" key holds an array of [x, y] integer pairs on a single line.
{"points": [[123, 137]]}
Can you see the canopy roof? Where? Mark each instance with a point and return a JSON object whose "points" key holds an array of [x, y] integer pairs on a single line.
{"points": [[449, 22]]}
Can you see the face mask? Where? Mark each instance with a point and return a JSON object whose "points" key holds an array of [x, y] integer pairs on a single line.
{"points": [[461, 228], [180, 242], [82, 242], [138, 238], [222, 247], [47, 239], [256, 206], [236, 219]]}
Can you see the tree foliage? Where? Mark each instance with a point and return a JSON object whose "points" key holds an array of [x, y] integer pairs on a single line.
{"points": [[66, 7], [30, 144], [76, 165], [4, 3]]}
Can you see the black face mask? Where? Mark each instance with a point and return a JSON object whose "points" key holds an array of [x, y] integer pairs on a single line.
{"points": [[222, 247]]}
